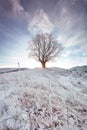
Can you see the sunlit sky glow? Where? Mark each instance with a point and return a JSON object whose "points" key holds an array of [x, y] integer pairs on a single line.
{"points": [[22, 19]]}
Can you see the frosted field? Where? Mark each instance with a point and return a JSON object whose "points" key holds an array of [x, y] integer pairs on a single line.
{"points": [[43, 99]]}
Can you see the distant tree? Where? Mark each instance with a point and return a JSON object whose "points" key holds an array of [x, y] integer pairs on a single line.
{"points": [[44, 48]]}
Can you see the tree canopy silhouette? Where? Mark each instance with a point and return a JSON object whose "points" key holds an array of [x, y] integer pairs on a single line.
{"points": [[44, 48]]}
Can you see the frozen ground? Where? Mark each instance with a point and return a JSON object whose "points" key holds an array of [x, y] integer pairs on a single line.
{"points": [[43, 99]]}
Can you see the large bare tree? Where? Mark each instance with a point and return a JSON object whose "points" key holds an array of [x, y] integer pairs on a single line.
{"points": [[44, 48]]}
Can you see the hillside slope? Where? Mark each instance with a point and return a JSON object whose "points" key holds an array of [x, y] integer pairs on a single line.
{"points": [[80, 68], [43, 99]]}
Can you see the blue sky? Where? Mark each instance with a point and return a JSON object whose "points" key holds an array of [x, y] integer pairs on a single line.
{"points": [[22, 19]]}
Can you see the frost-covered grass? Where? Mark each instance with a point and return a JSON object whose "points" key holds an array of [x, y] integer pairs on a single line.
{"points": [[43, 99]]}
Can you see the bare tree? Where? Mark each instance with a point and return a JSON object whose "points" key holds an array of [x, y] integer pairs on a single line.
{"points": [[44, 48]]}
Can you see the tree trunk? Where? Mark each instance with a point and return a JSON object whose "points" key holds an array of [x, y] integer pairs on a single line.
{"points": [[43, 64]]}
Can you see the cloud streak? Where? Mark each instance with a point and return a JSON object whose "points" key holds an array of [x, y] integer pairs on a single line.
{"points": [[40, 23], [17, 8]]}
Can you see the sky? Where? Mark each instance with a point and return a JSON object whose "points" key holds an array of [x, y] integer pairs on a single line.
{"points": [[20, 20]]}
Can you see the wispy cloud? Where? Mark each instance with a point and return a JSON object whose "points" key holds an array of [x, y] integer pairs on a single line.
{"points": [[16, 7], [40, 22], [18, 10]]}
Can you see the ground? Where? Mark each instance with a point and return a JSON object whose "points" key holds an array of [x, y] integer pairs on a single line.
{"points": [[43, 99]]}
